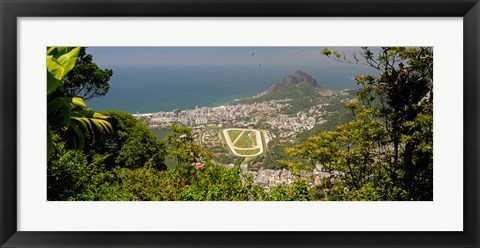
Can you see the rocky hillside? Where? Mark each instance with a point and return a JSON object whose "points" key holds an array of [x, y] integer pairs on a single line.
{"points": [[295, 78]]}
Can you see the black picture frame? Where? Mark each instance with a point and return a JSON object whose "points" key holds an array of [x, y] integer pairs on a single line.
{"points": [[10, 10]]}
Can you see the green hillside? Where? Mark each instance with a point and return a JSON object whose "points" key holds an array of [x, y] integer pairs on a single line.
{"points": [[302, 96]]}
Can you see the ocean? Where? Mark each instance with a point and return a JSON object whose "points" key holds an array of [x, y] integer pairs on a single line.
{"points": [[148, 89]]}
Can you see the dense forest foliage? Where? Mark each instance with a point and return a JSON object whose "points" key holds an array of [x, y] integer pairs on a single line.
{"points": [[382, 151]]}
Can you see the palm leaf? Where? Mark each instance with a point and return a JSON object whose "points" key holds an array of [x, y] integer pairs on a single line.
{"points": [[67, 110], [78, 136], [100, 116], [74, 114], [55, 104], [68, 60], [50, 50], [59, 62], [102, 125], [55, 68], [85, 123], [52, 83], [77, 101]]}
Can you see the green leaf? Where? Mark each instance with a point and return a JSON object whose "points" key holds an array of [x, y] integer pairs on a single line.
{"points": [[326, 52], [51, 51], [79, 138], [55, 104], [55, 68], [83, 113], [77, 101], [52, 83], [102, 125], [86, 123], [68, 60], [67, 110], [59, 62], [100, 116], [61, 50], [54, 74]]}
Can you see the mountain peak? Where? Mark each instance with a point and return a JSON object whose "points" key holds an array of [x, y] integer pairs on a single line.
{"points": [[298, 72], [296, 77]]}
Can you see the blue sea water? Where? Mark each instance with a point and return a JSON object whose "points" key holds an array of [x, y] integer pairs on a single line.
{"points": [[147, 89]]}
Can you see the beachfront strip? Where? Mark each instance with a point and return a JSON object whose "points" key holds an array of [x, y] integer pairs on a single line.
{"points": [[267, 114]]}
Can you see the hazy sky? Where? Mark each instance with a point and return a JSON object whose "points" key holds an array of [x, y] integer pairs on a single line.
{"points": [[295, 56], [142, 74]]}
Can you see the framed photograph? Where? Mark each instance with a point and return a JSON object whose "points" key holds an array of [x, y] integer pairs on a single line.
{"points": [[226, 123]]}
